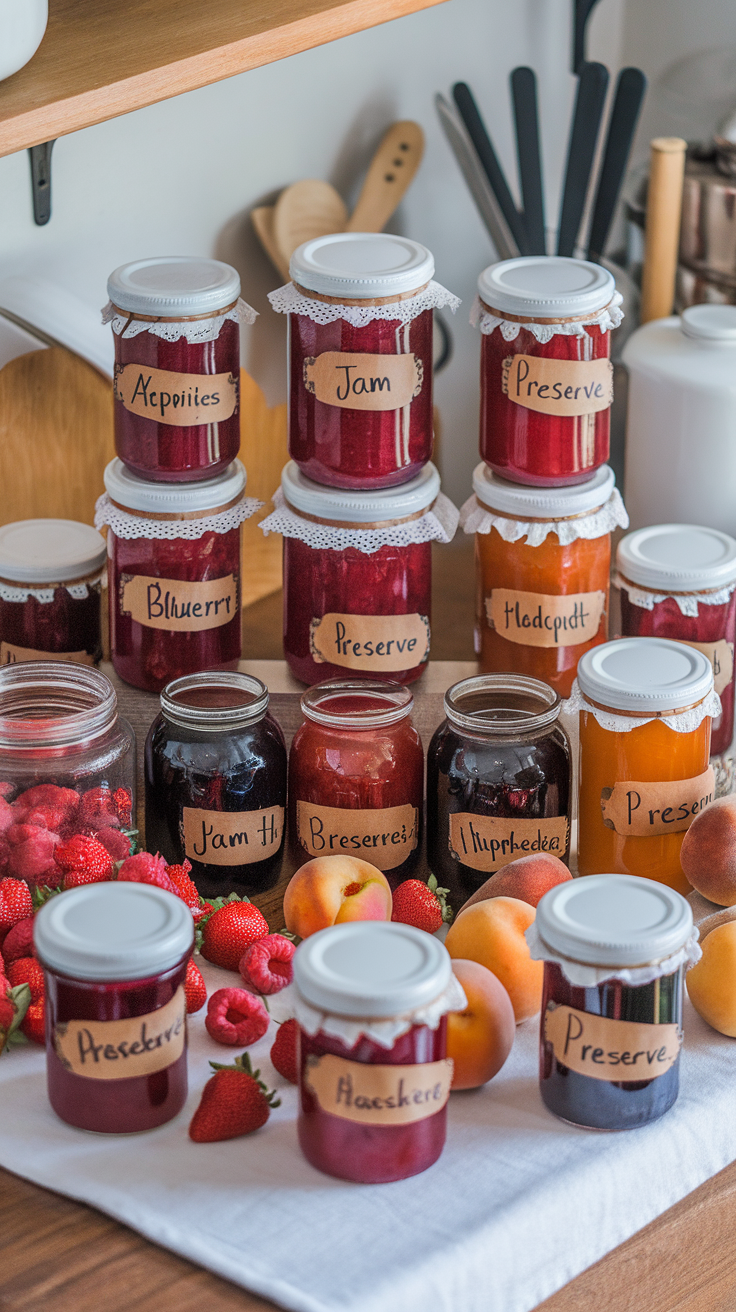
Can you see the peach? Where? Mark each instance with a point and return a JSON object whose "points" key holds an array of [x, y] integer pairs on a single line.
{"points": [[479, 1039], [527, 879], [332, 889], [492, 933], [708, 852], [712, 983]]}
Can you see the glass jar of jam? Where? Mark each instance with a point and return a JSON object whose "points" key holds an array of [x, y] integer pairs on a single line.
{"points": [[176, 324], [615, 951], [67, 766], [215, 771], [543, 561], [174, 575], [114, 958], [356, 776], [646, 706], [358, 575], [360, 357], [50, 582], [679, 581], [374, 1078], [499, 780], [546, 378]]}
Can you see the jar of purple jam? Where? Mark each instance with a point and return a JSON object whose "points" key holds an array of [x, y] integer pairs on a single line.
{"points": [[50, 582], [176, 324], [360, 309], [115, 958]]}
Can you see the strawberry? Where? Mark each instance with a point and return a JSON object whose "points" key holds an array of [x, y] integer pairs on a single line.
{"points": [[114, 842], [194, 988], [266, 964], [16, 904], [234, 1101], [421, 905], [84, 861], [184, 887], [33, 1024], [284, 1051], [19, 941], [30, 854], [230, 929], [236, 1017], [28, 971], [143, 868], [97, 809]]}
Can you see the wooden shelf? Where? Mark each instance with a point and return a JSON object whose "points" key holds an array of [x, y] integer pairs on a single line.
{"points": [[102, 58]]}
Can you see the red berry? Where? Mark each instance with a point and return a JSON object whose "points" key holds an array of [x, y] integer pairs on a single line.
{"points": [[28, 971], [229, 931], [19, 941], [97, 810], [284, 1051], [236, 1017], [84, 861], [143, 868], [33, 1024], [266, 964], [194, 988], [184, 887], [16, 904], [234, 1102], [421, 905], [30, 854], [114, 842], [124, 806]]}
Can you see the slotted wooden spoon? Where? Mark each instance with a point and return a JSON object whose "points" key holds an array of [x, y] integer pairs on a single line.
{"points": [[389, 177]]}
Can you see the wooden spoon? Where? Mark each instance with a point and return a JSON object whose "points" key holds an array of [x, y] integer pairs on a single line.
{"points": [[262, 218], [389, 176], [305, 210]]}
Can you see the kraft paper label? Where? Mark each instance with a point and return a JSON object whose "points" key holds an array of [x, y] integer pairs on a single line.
{"points": [[179, 399], [720, 655], [10, 654], [363, 382], [121, 1049], [487, 842], [232, 838], [378, 1095], [370, 642], [609, 1049], [386, 837], [639, 810], [558, 387], [539, 619], [178, 606]]}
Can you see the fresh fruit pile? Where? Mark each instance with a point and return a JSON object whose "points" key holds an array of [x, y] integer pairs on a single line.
{"points": [[40, 823]]}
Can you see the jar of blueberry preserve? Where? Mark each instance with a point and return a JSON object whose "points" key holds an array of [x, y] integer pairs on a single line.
{"points": [[374, 1076], [215, 769], [50, 582], [615, 951]]}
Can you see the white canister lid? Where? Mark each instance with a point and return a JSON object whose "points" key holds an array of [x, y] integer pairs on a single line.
{"points": [[710, 323], [49, 551], [542, 502], [371, 968], [126, 489], [174, 286], [359, 507], [678, 558], [614, 920], [113, 931], [550, 287], [649, 675], [361, 265]]}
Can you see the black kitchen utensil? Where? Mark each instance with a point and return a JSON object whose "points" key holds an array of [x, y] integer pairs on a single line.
{"points": [[477, 182], [630, 89], [524, 95], [586, 120], [582, 10], [486, 154]]}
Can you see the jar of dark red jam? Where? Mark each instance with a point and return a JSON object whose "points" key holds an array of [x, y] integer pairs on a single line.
{"points": [[114, 958], [215, 771], [546, 378], [50, 582], [374, 1078], [499, 780], [615, 951], [176, 324], [174, 573], [360, 357], [356, 776]]}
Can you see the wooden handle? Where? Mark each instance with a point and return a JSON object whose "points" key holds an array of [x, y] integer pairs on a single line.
{"points": [[262, 220], [664, 206], [390, 174]]}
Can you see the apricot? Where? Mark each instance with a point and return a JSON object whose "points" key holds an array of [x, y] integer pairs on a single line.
{"points": [[712, 982], [479, 1039], [492, 933], [527, 879], [708, 852], [332, 889]]}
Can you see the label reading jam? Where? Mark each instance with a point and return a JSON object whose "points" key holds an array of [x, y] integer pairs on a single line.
{"points": [[386, 837], [363, 382], [609, 1049], [179, 399], [539, 619], [639, 810], [378, 1095], [232, 838], [178, 606], [11, 654], [720, 655], [558, 387], [121, 1049], [487, 842], [384, 643]]}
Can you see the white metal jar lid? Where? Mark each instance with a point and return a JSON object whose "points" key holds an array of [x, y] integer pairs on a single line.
{"points": [[360, 265], [542, 502], [546, 287], [174, 286], [678, 558], [650, 675], [49, 551], [113, 931], [710, 323], [371, 968], [134, 493], [359, 507], [614, 920]]}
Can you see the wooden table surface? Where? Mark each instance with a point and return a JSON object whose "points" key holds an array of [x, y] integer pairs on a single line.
{"points": [[66, 1257]]}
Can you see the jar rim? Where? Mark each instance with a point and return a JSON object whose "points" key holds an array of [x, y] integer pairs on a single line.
{"points": [[83, 698], [621, 921], [396, 696], [505, 722], [214, 719]]}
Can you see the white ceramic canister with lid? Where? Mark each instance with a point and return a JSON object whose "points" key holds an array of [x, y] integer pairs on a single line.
{"points": [[51, 574]]}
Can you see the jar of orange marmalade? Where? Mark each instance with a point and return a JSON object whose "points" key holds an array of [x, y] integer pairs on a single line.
{"points": [[646, 706], [543, 560]]}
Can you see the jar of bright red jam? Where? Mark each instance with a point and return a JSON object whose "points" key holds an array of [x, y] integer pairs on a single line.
{"points": [[114, 959], [374, 1078], [360, 357], [176, 324], [50, 582], [546, 379], [174, 573], [356, 776]]}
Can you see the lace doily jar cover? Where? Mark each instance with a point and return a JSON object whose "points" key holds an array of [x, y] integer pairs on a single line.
{"points": [[50, 585]]}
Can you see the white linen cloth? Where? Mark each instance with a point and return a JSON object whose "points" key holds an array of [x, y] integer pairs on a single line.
{"points": [[518, 1204]]}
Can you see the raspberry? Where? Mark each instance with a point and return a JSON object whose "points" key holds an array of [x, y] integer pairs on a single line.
{"points": [[18, 941], [124, 806], [28, 971], [143, 868], [34, 1022], [84, 861], [236, 1017], [194, 988], [266, 964], [16, 904], [284, 1051]]}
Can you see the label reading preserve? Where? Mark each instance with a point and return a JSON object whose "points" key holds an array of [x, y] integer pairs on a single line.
{"points": [[487, 842], [378, 1095], [639, 810], [539, 619], [386, 837], [232, 838], [383, 643], [608, 1049], [120, 1049], [363, 382], [558, 387], [180, 399], [177, 606]]}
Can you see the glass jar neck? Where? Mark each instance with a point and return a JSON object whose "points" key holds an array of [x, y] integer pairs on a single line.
{"points": [[215, 701], [53, 704], [501, 706], [357, 704]]}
